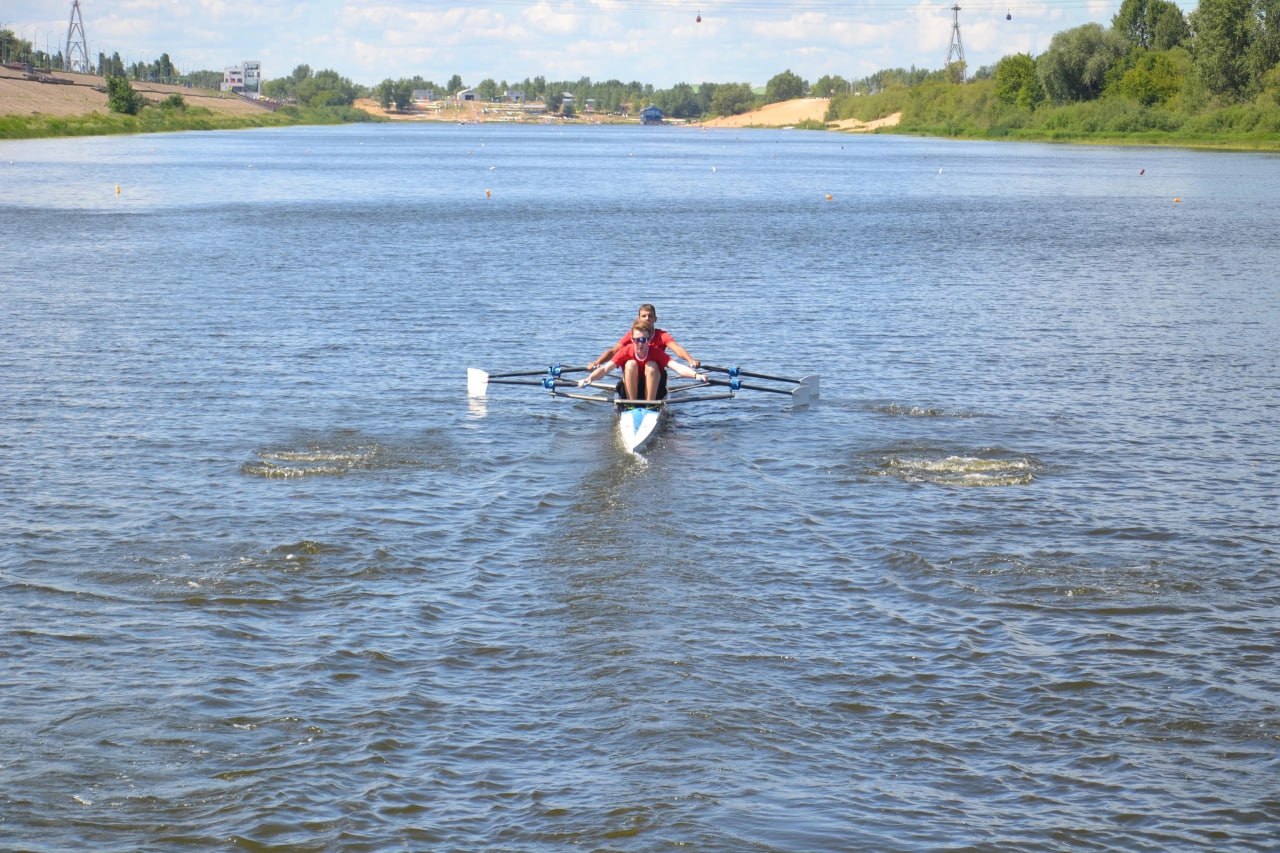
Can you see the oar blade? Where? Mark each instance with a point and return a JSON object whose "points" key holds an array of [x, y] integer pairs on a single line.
{"points": [[477, 382], [811, 382], [800, 397]]}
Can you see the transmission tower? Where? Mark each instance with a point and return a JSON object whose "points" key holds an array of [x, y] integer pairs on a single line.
{"points": [[76, 56], [957, 47]]}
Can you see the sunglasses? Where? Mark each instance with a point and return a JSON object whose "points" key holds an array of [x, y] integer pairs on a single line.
{"points": [[639, 340]]}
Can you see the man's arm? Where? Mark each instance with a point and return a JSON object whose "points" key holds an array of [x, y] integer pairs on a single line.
{"points": [[682, 353], [604, 356], [686, 371]]}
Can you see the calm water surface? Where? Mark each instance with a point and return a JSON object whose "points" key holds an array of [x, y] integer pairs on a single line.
{"points": [[269, 580]]}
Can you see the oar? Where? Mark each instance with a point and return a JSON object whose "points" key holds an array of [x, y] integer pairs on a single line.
{"points": [[799, 395], [549, 370], [810, 382], [698, 398], [588, 397], [478, 380]]}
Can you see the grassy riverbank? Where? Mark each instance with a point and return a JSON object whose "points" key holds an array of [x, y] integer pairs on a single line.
{"points": [[158, 120], [66, 104], [974, 111]]}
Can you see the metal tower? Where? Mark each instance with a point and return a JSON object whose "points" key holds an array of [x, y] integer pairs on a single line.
{"points": [[76, 56], [957, 47]]}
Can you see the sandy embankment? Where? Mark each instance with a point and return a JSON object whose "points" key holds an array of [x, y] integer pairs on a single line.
{"points": [[788, 113], [77, 97]]}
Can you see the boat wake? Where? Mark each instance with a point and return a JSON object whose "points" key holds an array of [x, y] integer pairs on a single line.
{"points": [[990, 468], [899, 411], [323, 458]]}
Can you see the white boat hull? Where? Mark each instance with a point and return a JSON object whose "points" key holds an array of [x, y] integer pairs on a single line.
{"points": [[637, 426]]}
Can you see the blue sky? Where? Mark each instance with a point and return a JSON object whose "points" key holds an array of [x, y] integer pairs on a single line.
{"points": [[652, 41]]}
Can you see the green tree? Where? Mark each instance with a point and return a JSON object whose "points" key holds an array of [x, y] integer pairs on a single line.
{"points": [[1270, 94], [827, 86], [164, 68], [487, 90], [732, 99], [1075, 66], [1264, 53], [680, 101], [1155, 78], [1151, 24], [1016, 81], [784, 87], [326, 89], [455, 85], [397, 92], [121, 98], [1170, 28], [1224, 33]]}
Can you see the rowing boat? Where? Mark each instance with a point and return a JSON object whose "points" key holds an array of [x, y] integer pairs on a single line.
{"points": [[638, 424], [639, 420]]}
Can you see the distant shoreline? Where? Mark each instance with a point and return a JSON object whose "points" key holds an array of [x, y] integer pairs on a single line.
{"points": [[68, 102]]}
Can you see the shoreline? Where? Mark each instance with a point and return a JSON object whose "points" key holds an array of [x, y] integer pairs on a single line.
{"points": [[72, 104]]}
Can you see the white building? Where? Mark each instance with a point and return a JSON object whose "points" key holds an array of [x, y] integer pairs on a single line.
{"points": [[243, 79], [252, 76]]}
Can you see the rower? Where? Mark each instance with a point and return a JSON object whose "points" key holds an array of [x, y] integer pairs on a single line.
{"points": [[662, 340], [644, 366]]}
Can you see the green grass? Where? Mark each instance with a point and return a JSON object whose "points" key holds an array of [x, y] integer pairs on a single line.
{"points": [[153, 119], [971, 111]]}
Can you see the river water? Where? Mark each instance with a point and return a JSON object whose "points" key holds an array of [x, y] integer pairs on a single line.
{"points": [[270, 581]]}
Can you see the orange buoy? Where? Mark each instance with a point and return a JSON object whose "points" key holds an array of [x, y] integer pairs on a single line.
{"points": [[1177, 201], [828, 196], [488, 194]]}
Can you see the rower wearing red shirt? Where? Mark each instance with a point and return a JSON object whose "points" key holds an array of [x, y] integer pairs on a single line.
{"points": [[662, 340], [644, 366]]}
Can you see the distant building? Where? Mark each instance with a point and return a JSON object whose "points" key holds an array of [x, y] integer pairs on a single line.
{"points": [[422, 96], [466, 95], [252, 76], [243, 79], [233, 79], [651, 115]]}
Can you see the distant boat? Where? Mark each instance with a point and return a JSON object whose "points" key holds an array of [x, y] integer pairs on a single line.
{"points": [[651, 115]]}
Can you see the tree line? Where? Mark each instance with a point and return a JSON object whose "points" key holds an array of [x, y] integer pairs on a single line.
{"points": [[1154, 61], [1155, 74]]}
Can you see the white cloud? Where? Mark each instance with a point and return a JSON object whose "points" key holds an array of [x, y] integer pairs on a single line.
{"points": [[559, 20], [652, 41]]}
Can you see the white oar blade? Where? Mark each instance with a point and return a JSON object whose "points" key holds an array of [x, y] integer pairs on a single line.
{"points": [[800, 397], [477, 382], [811, 382]]}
